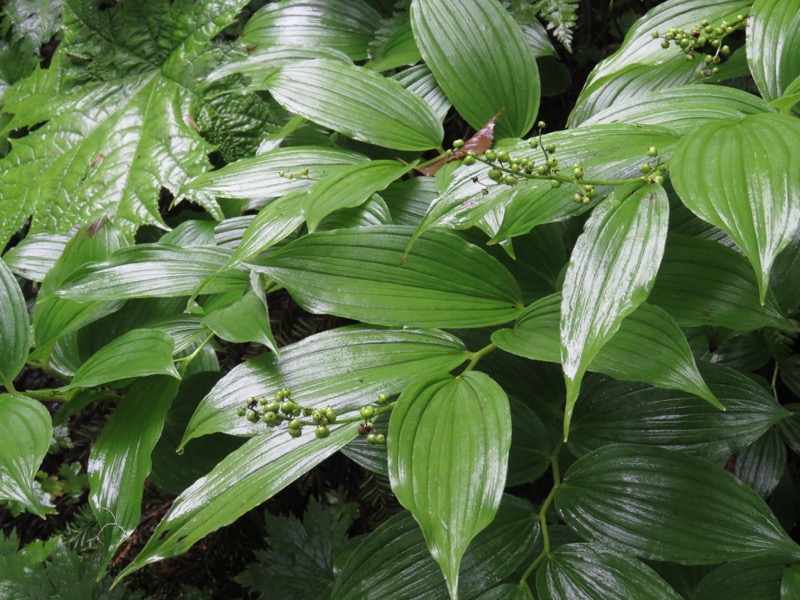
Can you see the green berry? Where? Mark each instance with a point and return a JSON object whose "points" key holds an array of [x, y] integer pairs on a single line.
{"points": [[382, 399], [658, 179], [458, 144], [555, 183], [578, 172], [552, 162], [550, 148], [270, 418], [295, 424], [272, 406], [652, 151], [509, 180], [367, 412], [322, 432], [534, 144], [502, 156], [252, 416], [241, 411], [665, 44], [490, 155], [317, 416], [330, 414], [725, 50], [295, 433], [578, 197], [469, 160], [655, 35], [645, 168], [541, 124], [380, 438], [372, 438], [262, 401], [287, 407], [495, 174]]}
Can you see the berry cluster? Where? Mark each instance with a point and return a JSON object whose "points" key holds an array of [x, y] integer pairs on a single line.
{"points": [[705, 39], [303, 174], [367, 428]]}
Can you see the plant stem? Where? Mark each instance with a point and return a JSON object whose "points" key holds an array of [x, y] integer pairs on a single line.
{"points": [[48, 395], [188, 359], [475, 357]]}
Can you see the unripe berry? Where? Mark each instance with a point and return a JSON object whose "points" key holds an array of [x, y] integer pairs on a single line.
{"points": [[495, 174], [330, 414], [541, 124], [578, 172], [509, 180], [469, 160], [287, 407], [252, 416], [367, 412], [458, 144], [295, 424], [502, 155], [490, 155], [322, 432], [652, 151], [295, 433], [555, 183], [240, 412], [380, 438], [270, 418], [382, 399]]}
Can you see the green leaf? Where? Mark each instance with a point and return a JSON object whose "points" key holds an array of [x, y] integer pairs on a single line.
{"points": [[26, 429], [448, 472], [34, 256], [762, 463], [482, 61], [33, 20], [344, 25], [350, 187], [135, 354], [592, 572], [611, 271], [119, 461], [668, 362], [154, 271], [358, 103], [756, 578], [421, 82], [791, 96], [773, 45], [357, 274], [15, 328], [395, 48], [613, 412], [344, 368], [752, 192], [701, 282], [113, 102], [246, 478], [393, 561], [506, 591], [790, 584], [682, 109], [665, 505], [529, 456], [246, 320]]}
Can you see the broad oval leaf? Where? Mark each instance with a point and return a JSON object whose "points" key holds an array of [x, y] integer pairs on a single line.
{"points": [[154, 271], [244, 479], [358, 103], [762, 463], [753, 578], [529, 455], [393, 561], [344, 25], [450, 472], [790, 584], [34, 256], [611, 271], [344, 368], [613, 412], [591, 572], [665, 505], [360, 274], [667, 362], [26, 429], [421, 82], [134, 354], [120, 458], [702, 282], [15, 328], [246, 320], [750, 189], [773, 45], [481, 59]]}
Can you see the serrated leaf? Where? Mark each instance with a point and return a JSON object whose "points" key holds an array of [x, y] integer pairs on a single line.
{"points": [[393, 561], [116, 128], [154, 271], [357, 274], [137, 353], [344, 25], [243, 480], [667, 363], [34, 256], [561, 18], [614, 412], [26, 429], [751, 190], [682, 109], [358, 103], [120, 458], [15, 328], [773, 45], [450, 473], [591, 572], [482, 61], [702, 282], [343, 368], [665, 505], [762, 463], [611, 272]]}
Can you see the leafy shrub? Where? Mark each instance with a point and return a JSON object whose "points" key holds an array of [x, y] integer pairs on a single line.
{"points": [[606, 313]]}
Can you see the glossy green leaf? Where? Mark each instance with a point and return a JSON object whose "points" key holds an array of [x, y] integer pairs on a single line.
{"points": [[34, 256], [244, 479], [450, 473], [790, 584], [274, 223], [120, 458], [15, 329], [668, 362], [682, 109], [350, 187], [357, 274], [154, 271], [762, 463], [613, 412], [344, 25], [505, 591], [481, 59], [529, 456], [701, 282], [246, 320], [394, 562], [397, 49], [26, 429], [421, 82], [773, 45], [344, 368], [591, 572], [791, 96], [358, 103], [751, 190], [754, 578], [135, 354], [665, 505], [611, 271], [260, 176], [641, 52], [790, 428]]}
